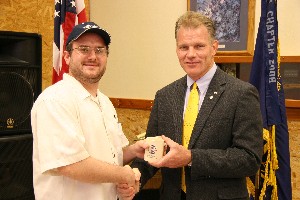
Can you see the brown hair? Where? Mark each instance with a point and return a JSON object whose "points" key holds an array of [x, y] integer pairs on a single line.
{"points": [[193, 19]]}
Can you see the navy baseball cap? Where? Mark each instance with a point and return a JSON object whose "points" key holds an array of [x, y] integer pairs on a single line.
{"points": [[88, 27]]}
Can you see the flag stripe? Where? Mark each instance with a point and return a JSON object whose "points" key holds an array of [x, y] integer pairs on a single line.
{"points": [[79, 6], [67, 14]]}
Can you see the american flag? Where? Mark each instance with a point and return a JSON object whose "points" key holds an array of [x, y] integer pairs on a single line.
{"points": [[67, 14]]}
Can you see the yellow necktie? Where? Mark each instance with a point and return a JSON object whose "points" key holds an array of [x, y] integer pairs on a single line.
{"points": [[190, 116]]}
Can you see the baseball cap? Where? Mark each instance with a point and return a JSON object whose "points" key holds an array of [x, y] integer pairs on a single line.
{"points": [[88, 27]]}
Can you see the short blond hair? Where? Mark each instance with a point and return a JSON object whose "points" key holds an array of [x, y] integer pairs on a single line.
{"points": [[193, 19]]}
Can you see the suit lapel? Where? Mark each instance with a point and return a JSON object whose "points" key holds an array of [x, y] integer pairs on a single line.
{"points": [[215, 90], [177, 108]]}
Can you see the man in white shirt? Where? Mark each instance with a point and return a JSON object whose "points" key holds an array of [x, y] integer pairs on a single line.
{"points": [[79, 147]]}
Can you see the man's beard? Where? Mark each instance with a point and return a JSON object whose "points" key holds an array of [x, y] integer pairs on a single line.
{"points": [[79, 75]]}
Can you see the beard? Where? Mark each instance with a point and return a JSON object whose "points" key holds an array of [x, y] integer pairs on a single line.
{"points": [[78, 73]]}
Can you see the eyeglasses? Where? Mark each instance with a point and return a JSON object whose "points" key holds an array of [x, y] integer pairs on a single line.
{"points": [[86, 50]]}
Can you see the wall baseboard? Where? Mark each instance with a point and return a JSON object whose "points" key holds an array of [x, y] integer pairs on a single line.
{"points": [[132, 103]]}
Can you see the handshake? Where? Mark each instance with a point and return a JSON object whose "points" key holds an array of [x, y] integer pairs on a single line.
{"points": [[126, 191], [153, 150], [149, 149]]}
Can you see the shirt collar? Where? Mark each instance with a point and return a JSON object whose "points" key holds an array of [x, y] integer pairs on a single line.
{"points": [[76, 85], [204, 81]]}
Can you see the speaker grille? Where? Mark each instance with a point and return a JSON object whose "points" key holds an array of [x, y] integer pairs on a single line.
{"points": [[16, 168], [16, 100]]}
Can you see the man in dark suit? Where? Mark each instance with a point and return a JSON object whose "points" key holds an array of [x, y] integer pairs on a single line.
{"points": [[226, 142]]}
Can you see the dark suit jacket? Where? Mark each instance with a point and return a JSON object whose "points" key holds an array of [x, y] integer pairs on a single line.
{"points": [[226, 141]]}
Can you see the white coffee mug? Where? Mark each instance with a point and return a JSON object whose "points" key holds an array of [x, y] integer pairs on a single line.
{"points": [[155, 150]]}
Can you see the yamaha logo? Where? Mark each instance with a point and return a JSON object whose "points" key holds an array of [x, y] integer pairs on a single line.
{"points": [[10, 123]]}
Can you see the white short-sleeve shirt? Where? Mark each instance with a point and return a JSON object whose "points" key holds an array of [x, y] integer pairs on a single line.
{"points": [[69, 125]]}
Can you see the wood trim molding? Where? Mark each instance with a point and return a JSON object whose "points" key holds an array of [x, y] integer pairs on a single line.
{"points": [[292, 109], [249, 59], [289, 59], [291, 103], [132, 103], [292, 106], [233, 59], [293, 114]]}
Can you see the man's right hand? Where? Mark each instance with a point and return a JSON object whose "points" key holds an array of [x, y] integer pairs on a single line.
{"points": [[126, 191]]}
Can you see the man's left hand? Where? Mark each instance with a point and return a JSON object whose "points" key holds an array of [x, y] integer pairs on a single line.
{"points": [[178, 156]]}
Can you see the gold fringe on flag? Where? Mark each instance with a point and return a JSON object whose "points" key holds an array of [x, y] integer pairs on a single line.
{"points": [[271, 164], [250, 186]]}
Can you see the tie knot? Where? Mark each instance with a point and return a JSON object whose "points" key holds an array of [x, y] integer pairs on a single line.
{"points": [[194, 86]]}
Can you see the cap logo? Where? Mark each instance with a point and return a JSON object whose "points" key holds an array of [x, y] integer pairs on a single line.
{"points": [[90, 26]]}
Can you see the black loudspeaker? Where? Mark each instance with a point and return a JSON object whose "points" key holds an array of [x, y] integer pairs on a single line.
{"points": [[20, 85], [20, 80], [16, 167]]}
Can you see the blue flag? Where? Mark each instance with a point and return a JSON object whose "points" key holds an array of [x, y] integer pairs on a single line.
{"points": [[275, 172]]}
